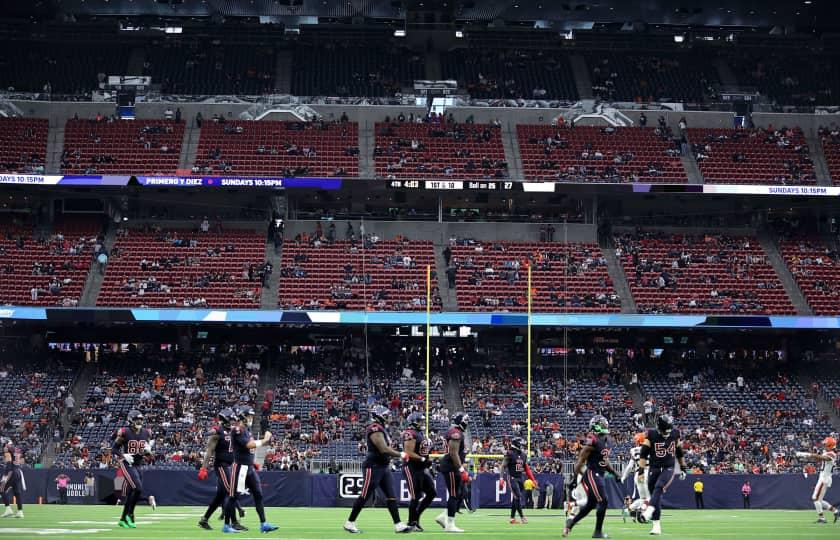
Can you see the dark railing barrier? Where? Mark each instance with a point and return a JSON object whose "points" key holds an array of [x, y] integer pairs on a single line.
{"points": [[301, 489]]}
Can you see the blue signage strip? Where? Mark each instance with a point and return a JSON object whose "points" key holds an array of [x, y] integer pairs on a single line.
{"points": [[574, 320]]}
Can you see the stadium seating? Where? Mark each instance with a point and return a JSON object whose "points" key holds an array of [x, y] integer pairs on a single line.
{"points": [[67, 67], [816, 268], [830, 137], [565, 277], [179, 408], [23, 144], [711, 273], [353, 68], [184, 268], [122, 146], [321, 402], [199, 67], [32, 392], [596, 154], [628, 76], [511, 73], [728, 429], [269, 148], [55, 266], [788, 76], [332, 275], [439, 149], [495, 401], [752, 156]]}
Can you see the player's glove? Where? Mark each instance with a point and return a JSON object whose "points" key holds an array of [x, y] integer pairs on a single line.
{"points": [[465, 476], [128, 458], [501, 483], [202, 474], [682, 475]]}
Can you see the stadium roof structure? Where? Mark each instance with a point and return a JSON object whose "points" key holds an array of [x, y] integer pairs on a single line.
{"points": [[580, 13]]}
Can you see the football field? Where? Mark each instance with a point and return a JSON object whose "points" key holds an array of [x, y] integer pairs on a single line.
{"points": [[99, 523]]}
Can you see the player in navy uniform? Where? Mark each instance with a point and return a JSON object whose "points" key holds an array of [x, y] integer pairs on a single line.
{"points": [[452, 468], [515, 465], [131, 445], [661, 449], [243, 475], [420, 483], [377, 473], [12, 483], [595, 456], [220, 448]]}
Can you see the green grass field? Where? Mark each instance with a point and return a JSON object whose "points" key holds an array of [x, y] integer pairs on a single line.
{"points": [[99, 523]]}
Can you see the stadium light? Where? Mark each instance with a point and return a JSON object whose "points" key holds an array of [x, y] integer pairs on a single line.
{"points": [[399, 33], [459, 34], [679, 38]]}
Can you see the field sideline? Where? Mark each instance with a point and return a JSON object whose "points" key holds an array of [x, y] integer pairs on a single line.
{"points": [[99, 523]]}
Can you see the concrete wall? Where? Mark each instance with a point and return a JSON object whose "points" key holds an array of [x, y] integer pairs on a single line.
{"points": [[439, 233], [59, 112]]}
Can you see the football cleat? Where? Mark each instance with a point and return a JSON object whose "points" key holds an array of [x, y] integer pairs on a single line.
{"points": [[568, 528], [204, 525], [417, 526], [600, 535], [19, 514], [8, 512], [401, 528], [656, 530], [268, 527], [451, 528], [238, 526], [228, 529], [524, 520], [130, 521], [441, 520], [350, 527], [123, 524], [514, 521], [822, 520]]}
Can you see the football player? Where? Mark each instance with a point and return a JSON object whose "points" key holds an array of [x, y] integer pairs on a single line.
{"points": [[515, 465], [661, 449], [377, 472], [640, 478], [452, 468], [220, 447], [243, 476], [131, 446], [12, 483], [595, 455], [421, 485], [827, 458]]}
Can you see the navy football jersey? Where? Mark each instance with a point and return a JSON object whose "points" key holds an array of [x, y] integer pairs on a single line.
{"points": [[422, 447], [240, 437], [134, 442], [663, 450], [600, 456], [374, 457], [15, 457], [454, 434], [515, 463], [224, 447]]}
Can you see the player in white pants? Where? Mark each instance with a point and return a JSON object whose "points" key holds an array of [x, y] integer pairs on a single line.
{"points": [[578, 498], [827, 459], [640, 478]]}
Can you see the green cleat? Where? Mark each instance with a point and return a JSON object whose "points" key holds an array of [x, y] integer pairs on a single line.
{"points": [[130, 521], [124, 524]]}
